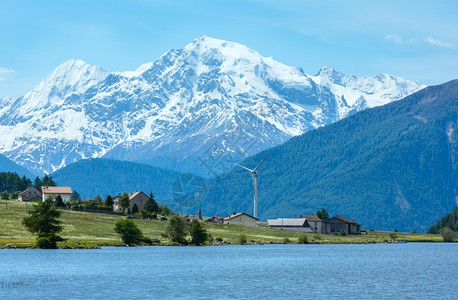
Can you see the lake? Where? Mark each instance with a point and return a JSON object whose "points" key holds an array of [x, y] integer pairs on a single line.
{"points": [[375, 271]]}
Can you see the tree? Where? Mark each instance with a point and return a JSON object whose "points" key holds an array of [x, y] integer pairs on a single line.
{"points": [[4, 195], [151, 204], [48, 181], [75, 196], [135, 208], [447, 234], [176, 229], [44, 221], [164, 210], [98, 199], [124, 201], [14, 195], [109, 201], [198, 233], [129, 231], [37, 183], [322, 214], [59, 201]]}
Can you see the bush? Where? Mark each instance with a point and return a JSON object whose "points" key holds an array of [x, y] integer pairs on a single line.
{"points": [[242, 239], [176, 229], [447, 234], [317, 236], [303, 239], [393, 236], [197, 232], [286, 240], [147, 240], [44, 243], [129, 231], [219, 239], [342, 232]]}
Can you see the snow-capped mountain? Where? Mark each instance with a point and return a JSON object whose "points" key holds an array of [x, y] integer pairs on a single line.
{"points": [[198, 109]]}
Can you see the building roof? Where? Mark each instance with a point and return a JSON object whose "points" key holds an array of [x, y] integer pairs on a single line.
{"points": [[281, 222], [343, 219], [311, 218], [30, 189], [132, 195], [227, 218], [56, 190]]}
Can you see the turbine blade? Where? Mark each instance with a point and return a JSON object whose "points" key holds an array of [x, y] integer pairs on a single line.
{"points": [[261, 162], [245, 168]]}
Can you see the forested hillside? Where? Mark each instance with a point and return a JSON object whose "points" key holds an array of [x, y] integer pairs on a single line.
{"points": [[388, 167], [105, 176], [7, 165]]}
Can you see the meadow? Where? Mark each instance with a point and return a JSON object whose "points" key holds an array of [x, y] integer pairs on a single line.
{"points": [[91, 230]]}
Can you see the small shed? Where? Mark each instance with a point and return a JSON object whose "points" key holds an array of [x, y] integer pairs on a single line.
{"points": [[290, 224], [30, 194], [241, 219]]}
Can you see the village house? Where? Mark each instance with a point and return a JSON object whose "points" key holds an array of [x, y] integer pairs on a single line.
{"points": [[138, 198], [30, 194], [316, 224], [53, 191], [215, 220], [338, 223], [241, 219], [290, 224]]}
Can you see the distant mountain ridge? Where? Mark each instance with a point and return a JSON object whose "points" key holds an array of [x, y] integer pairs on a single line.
{"points": [[394, 166], [90, 177], [199, 109], [7, 165]]}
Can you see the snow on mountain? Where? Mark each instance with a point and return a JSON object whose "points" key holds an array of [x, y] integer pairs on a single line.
{"points": [[199, 109], [378, 90]]}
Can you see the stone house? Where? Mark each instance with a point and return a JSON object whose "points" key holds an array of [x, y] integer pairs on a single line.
{"points": [[53, 191], [30, 194], [138, 198], [338, 223], [241, 219], [290, 224], [316, 224]]}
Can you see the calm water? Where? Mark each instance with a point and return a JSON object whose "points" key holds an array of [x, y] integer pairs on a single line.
{"points": [[380, 271]]}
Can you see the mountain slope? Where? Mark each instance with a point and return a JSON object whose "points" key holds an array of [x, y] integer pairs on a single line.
{"points": [[7, 165], [90, 177], [388, 167], [198, 109]]}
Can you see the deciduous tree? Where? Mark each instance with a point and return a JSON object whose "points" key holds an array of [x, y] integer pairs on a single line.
{"points": [[129, 231], [176, 229]]}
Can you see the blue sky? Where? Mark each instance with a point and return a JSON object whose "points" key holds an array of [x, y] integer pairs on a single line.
{"points": [[412, 39]]}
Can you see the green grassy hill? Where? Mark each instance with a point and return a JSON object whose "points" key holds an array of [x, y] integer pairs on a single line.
{"points": [[83, 229], [388, 167]]}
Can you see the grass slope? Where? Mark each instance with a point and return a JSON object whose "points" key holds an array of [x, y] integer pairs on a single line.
{"points": [[92, 230], [389, 167]]}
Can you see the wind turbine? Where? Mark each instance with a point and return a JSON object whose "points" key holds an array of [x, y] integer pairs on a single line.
{"points": [[254, 174]]}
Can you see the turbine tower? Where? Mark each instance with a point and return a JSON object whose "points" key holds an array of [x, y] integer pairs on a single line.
{"points": [[254, 174]]}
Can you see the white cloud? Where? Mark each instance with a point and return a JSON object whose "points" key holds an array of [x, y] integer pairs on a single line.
{"points": [[394, 38], [6, 70], [397, 39], [435, 42]]}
